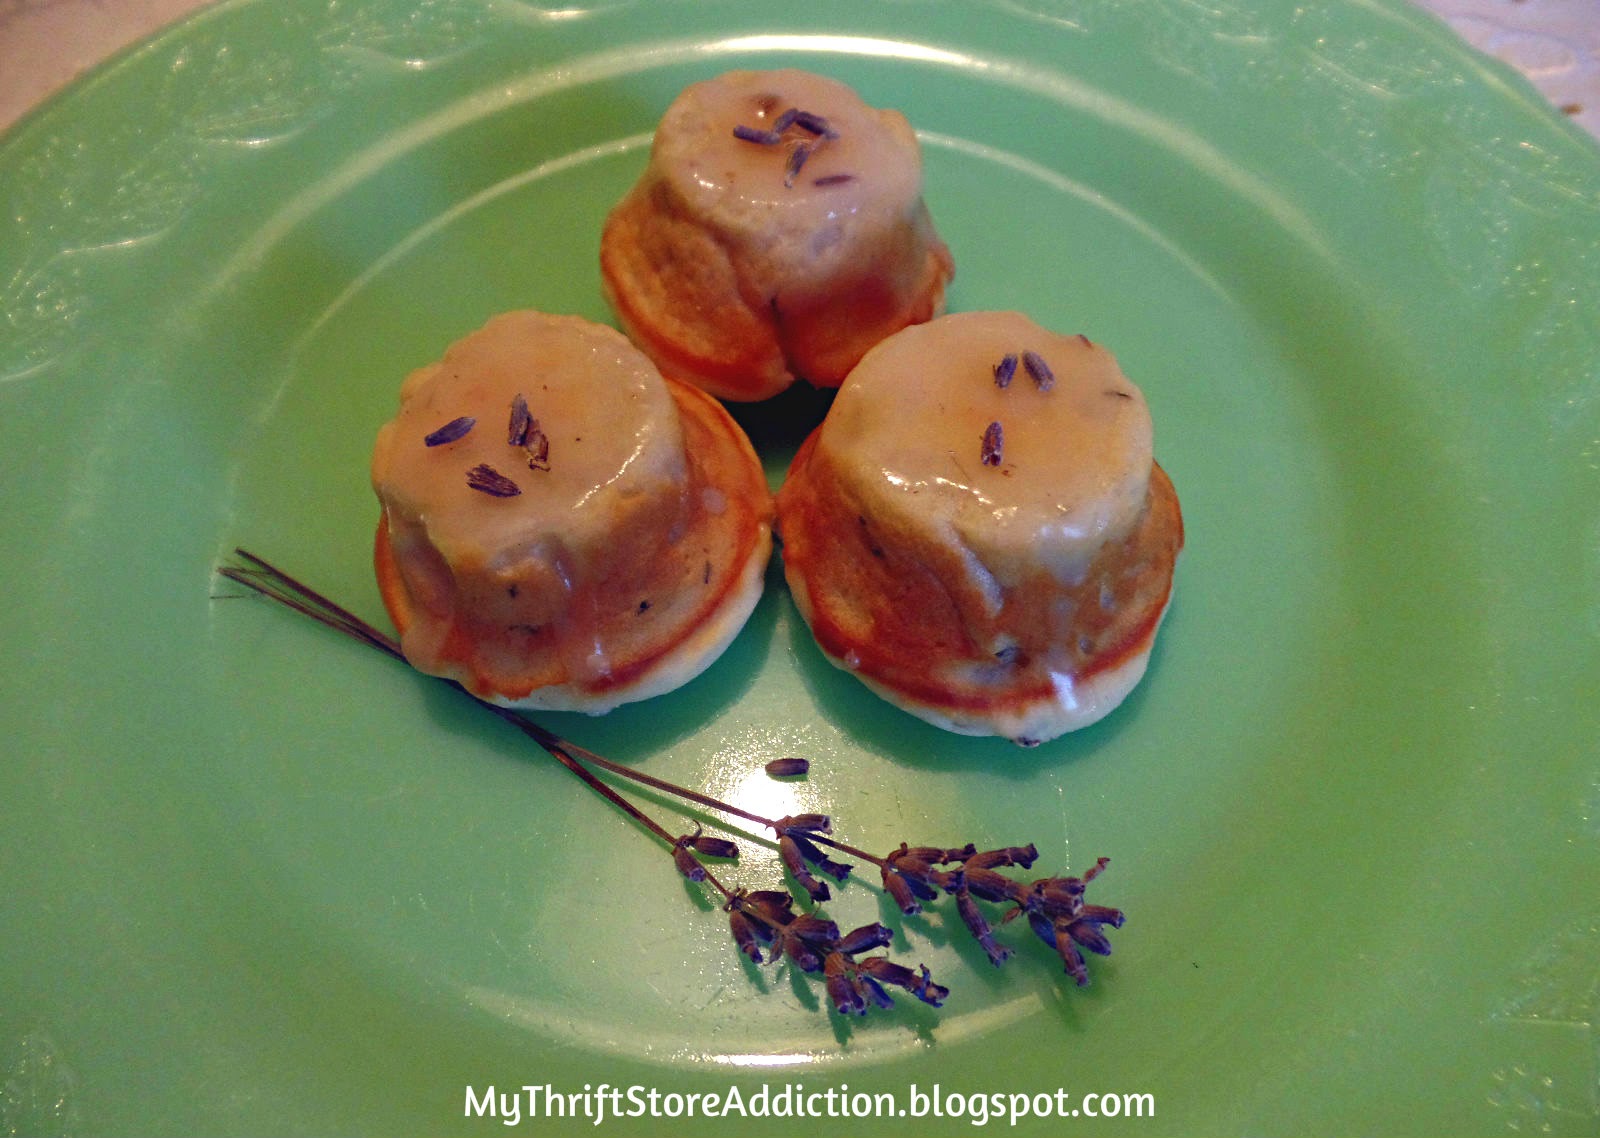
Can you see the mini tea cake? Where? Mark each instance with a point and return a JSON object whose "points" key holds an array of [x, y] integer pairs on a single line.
{"points": [[561, 527], [778, 231], [979, 531]]}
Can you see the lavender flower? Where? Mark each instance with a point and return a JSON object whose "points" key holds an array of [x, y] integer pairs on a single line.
{"points": [[746, 934], [796, 160], [1043, 378], [794, 861], [973, 918], [854, 985], [688, 864], [490, 481], [1058, 916], [710, 846], [814, 124], [1009, 855], [520, 423], [992, 450], [757, 135], [866, 938], [450, 432], [918, 983]]}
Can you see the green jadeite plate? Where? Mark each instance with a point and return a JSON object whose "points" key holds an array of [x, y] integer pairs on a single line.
{"points": [[261, 880]]}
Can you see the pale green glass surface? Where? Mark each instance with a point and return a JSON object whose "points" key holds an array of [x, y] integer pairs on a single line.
{"points": [[260, 880]]}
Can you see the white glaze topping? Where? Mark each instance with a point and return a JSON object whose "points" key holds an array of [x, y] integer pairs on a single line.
{"points": [[615, 447], [869, 167], [907, 430]]}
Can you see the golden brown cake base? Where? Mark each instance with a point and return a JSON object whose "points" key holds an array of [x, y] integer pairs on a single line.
{"points": [[679, 294]]}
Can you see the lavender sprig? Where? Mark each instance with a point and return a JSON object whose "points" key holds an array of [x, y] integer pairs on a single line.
{"points": [[914, 874], [766, 920]]}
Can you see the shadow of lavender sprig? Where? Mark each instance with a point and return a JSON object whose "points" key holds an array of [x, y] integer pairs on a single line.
{"points": [[765, 923]]}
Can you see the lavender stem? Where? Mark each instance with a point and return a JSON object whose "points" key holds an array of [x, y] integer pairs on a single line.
{"points": [[272, 582]]}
